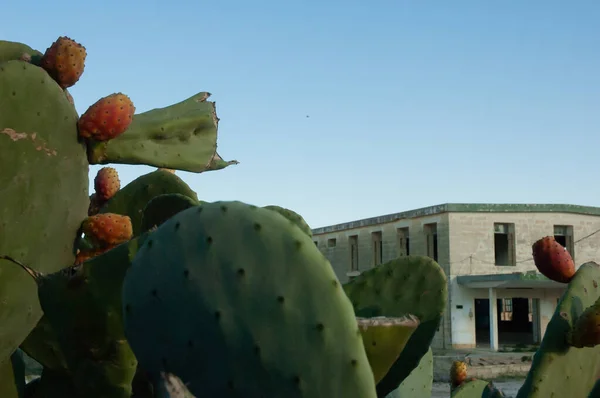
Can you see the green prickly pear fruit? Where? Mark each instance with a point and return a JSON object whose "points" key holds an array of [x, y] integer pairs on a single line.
{"points": [[237, 301], [384, 339], [586, 329]]}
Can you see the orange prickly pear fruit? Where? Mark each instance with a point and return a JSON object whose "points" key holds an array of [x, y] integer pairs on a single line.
{"points": [[108, 229], [108, 118], [64, 60]]}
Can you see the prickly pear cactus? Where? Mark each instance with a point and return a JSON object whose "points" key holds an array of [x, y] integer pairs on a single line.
{"points": [[84, 303], [471, 389], [413, 285], [238, 302], [384, 339], [44, 180], [558, 369], [12, 376], [293, 217], [419, 382], [162, 207], [133, 198]]}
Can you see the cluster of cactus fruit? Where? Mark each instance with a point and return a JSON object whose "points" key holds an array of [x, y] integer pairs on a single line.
{"points": [[145, 291]]}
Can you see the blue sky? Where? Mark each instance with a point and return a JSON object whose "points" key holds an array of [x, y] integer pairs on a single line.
{"points": [[410, 103]]}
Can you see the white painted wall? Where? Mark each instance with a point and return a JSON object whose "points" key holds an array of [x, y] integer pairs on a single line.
{"points": [[463, 326]]}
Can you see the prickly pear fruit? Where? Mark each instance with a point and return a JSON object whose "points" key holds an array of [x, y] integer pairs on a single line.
{"points": [[107, 183], [553, 260], [458, 374], [384, 339], [108, 229], [586, 329], [64, 60], [244, 287], [108, 118]]}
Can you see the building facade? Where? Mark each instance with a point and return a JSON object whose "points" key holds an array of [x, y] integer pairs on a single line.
{"points": [[496, 296]]}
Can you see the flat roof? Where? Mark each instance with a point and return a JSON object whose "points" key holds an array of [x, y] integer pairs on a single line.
{"points": [[462, 208], [515, 280]]}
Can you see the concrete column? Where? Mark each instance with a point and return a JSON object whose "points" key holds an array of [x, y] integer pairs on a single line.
{"points": [[493, 319]]}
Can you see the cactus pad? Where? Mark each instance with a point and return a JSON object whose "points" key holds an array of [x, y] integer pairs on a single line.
{"points": [[182, 136], [44, 184], [558, 370], [471, 389], [420, 381], [293, 217], [384, 339], [161, 208], [238, 302], [407, 285]]}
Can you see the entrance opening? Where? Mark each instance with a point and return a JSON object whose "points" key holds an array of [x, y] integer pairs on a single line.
{"points": [[515, 322]]}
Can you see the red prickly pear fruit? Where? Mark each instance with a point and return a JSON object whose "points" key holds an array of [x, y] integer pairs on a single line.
{"points": [[108, 118], [586, 328], [106, 183], [553, 260], [64, 60], [108, 229]]}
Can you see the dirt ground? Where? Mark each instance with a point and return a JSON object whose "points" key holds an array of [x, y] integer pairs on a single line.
{"points": [[509, 387]]}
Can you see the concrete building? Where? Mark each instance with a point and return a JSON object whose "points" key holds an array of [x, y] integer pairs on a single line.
{"points": [[496, 295]]}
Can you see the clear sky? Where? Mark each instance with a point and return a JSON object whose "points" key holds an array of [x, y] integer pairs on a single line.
{"points": [[409, 103]]}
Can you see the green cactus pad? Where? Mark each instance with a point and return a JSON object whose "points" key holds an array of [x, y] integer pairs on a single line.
{"points": [[182, 136], [408, 285], [44, 184], [42, 345], [558, 370], [384, 339], [84, 303], [238, 302], [293, 217], [162, 207], [420, 381], [471, 389], [132, 199], [12, 376], [12, 51]]}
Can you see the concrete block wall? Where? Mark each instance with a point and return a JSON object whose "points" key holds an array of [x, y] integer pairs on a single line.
{"points": [[472, 253]]}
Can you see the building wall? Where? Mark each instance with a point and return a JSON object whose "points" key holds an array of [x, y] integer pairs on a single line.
{"points": [[472, 253], [339, 255], [466, 246]]}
